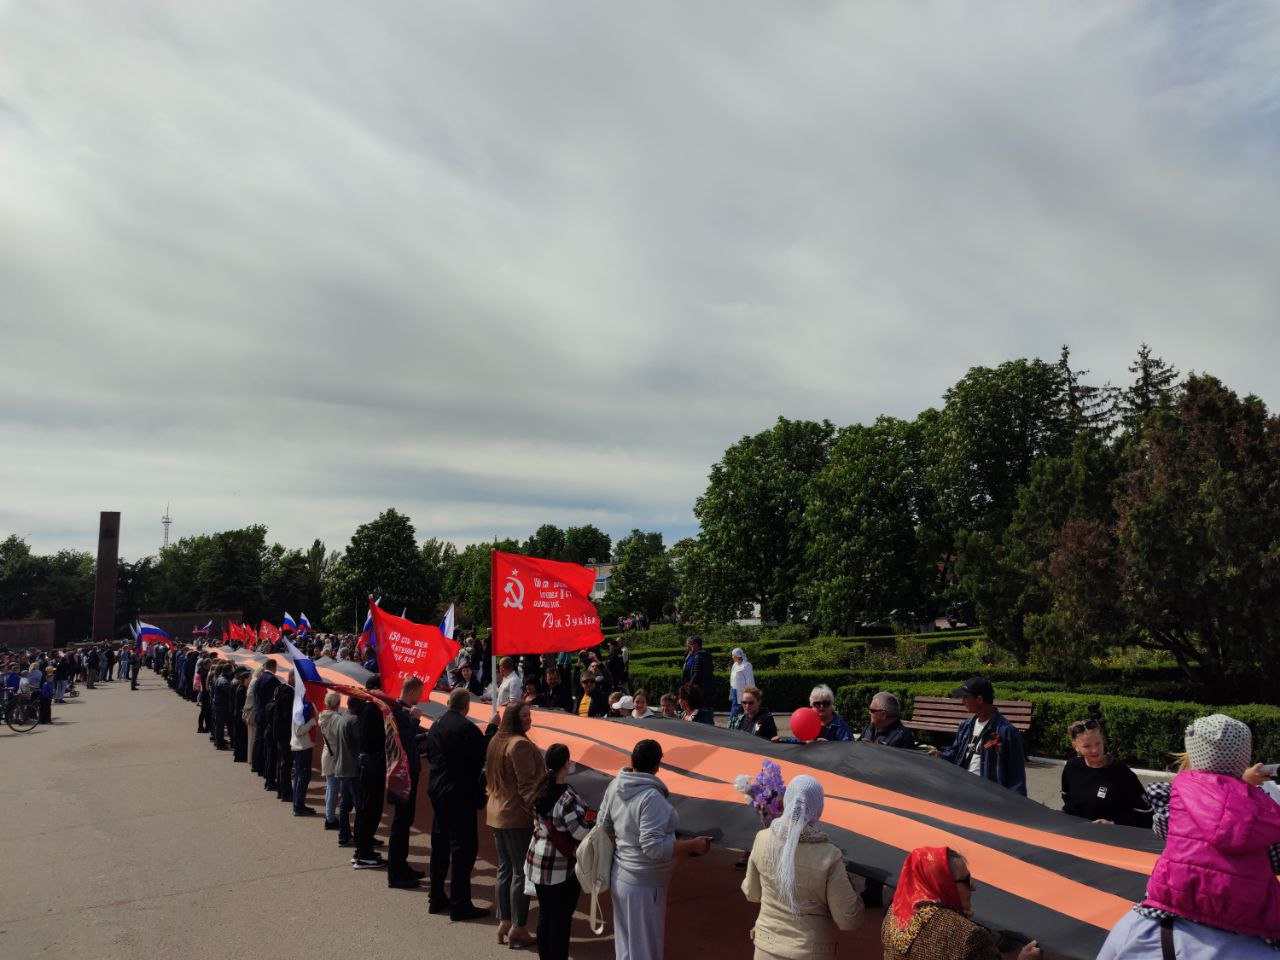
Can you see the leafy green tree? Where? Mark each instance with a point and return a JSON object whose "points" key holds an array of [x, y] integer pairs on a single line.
{"points": [[382, 559], [706, 587], [587, 544], [466, 582], [17, 578], [1009, 580], [135, 586], [643, 580], [996, 423], [866, 556], [1154, 383], [547, 542], [230, 571], [752, 515], [1088, 408], [63, 591], [286, 580], [1198, 535], [437, 558]]}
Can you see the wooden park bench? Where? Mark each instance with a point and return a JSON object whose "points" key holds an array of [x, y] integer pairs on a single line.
{"points": [[945, 714]]}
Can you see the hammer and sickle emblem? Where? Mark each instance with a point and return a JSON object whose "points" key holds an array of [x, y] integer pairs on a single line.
{"points": [[514, 591]]}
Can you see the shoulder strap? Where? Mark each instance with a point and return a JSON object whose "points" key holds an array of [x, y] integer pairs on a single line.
{"points": [[1166, 938]]}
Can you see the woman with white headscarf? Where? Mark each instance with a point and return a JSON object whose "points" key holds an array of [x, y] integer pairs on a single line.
{"points": [[741, 676], [797, 876]]}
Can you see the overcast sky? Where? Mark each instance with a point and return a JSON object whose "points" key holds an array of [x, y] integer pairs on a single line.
{"points": [[501, 264]]}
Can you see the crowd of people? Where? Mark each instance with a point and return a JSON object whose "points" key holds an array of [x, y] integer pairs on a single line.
{"points": [[1213, 892], [50, 676]]}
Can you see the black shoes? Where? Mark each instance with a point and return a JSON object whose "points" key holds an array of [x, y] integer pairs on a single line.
{"points": [[403, 883], [331, 824], [415, 873], [304, 811], [470, 913], [437, 906]]}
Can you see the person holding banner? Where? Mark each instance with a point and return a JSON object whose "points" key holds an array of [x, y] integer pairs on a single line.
{"points": [[515, 770], [400, 875]]}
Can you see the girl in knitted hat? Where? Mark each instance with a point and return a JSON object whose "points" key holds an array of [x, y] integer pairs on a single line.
{"points": [[1213, 892]]}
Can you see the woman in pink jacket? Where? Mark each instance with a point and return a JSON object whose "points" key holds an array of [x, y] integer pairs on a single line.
{"points": [[1213, 891]]}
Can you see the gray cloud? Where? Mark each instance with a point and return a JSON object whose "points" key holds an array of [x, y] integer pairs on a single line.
{"points": [[293, 262]]}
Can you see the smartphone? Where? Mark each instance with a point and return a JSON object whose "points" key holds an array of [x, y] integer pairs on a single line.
{"points": [[1271, 769]]}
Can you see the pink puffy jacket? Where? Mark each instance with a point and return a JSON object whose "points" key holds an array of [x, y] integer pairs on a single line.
{"points": [[1215, 869]]}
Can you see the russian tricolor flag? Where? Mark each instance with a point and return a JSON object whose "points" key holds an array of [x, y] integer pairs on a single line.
{"points": [[288, 625], [151, 632], [304, 625], [306, 685], [446, 625], [205, 629]]}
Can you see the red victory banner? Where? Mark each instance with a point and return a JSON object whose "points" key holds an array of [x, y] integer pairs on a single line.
{"points": [[408, 649], [541, 606], [398, 778]]}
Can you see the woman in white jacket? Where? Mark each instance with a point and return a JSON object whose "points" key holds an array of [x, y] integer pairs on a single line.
{"points": [[798, 877], [741, 676]]}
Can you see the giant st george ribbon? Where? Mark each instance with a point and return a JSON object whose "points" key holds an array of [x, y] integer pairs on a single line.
{"points": [[1042, 875]]}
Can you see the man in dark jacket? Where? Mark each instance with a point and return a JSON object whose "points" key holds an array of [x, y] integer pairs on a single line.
{"points": [[405, 713], [264, 689], [220, 698], [282, 740], [886, 726], [239, 730], [987, 744], [698, 669], [455, 750], [592, 702], [373, 784], [555, 692]]}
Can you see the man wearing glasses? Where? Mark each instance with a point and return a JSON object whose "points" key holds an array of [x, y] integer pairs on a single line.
{"points": [[886, 726]]}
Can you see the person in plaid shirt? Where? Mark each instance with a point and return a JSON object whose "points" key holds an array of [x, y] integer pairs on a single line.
{"points": [[560, 821]]}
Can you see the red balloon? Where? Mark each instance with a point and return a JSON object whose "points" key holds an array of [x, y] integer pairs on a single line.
{"points": [[806, 724]]}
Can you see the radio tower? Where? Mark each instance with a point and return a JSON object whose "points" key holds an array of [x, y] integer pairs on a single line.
{"points": [[165, 521]]}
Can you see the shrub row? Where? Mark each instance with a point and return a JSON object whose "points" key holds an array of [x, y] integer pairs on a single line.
{"points": [[767, 653], [1140, 731], [787, 689]]}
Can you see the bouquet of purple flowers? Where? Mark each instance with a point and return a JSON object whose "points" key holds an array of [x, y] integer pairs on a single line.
{"points": [[764, 792]]}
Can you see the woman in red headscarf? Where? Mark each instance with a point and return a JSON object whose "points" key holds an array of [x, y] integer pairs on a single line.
{"points": [[929, 918]]}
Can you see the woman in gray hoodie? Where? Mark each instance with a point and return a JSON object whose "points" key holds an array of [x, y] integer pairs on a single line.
{"points": [[635, 812]]}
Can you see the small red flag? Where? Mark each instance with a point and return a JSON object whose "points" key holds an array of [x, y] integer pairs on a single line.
{"points": [[541, 606], [408, 649]]}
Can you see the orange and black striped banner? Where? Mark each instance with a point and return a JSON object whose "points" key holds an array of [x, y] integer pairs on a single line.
{"points": [[1041, 874]]}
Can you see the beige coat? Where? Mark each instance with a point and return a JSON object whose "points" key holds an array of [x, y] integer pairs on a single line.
{"points": [[514, 769], [825, 898]]}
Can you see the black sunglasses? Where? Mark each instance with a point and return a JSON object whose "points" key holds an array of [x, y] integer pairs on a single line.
{"points": [[1083, 727], [819, 703]]}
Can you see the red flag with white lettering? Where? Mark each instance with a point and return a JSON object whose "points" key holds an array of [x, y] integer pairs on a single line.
{"points": [[408, 649], [541, 606]]}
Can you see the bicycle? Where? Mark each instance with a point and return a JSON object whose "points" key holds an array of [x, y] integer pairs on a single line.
{"points": [[22, 713]]}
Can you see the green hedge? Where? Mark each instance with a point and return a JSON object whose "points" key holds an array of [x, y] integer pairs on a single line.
{"points": [[1140, 731], [768, 652], [788, 689]]}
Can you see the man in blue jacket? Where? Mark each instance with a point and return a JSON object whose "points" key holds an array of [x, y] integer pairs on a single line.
{"points": [[699, 670], [987, 744]]}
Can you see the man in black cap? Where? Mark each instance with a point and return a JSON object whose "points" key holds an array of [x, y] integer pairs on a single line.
{"points": [[987, 744]]}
